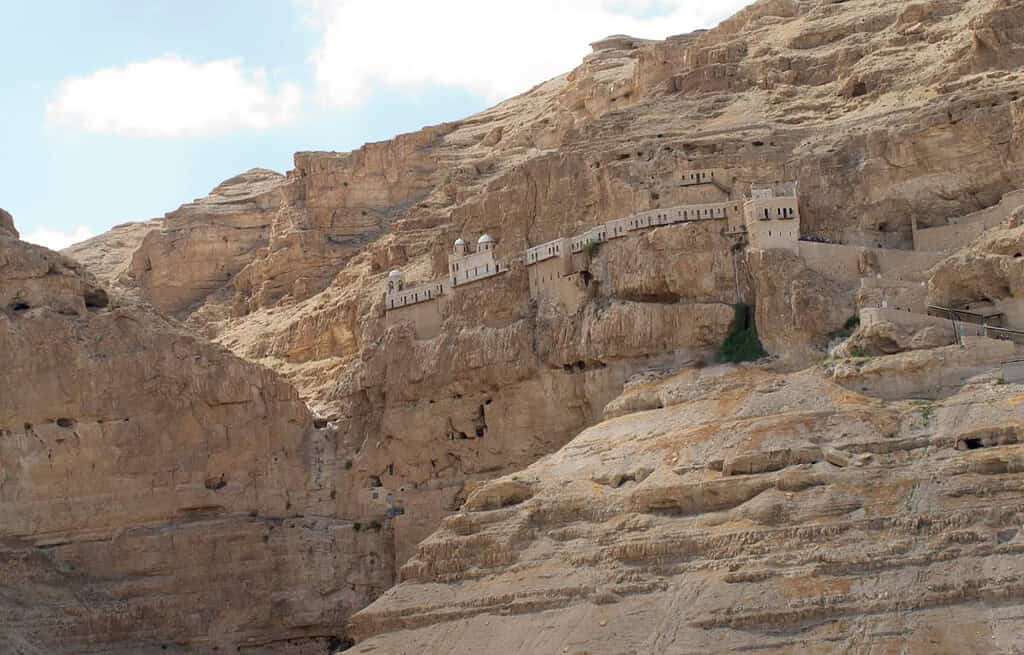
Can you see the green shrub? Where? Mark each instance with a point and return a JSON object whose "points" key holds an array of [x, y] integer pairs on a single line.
{"points": [[593, 247], [742, 344], [858, 353]]}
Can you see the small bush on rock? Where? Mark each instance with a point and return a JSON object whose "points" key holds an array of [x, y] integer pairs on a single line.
{"points": [[742, 344]]}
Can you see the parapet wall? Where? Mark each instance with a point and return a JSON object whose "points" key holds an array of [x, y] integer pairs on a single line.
{"points": [[837, 261], [881, 292], [964, 229], [426, 317], [907, 265], [947, 237], [844, 262]]}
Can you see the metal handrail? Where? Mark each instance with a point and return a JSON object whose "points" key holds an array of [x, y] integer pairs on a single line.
{"points": [[954, 314]]}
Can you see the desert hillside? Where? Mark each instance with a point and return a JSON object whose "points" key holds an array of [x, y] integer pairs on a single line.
{"points": [[484, 361]]}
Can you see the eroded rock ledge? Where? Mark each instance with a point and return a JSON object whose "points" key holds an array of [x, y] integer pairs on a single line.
{"points": [[751, 511], [157, 493]]}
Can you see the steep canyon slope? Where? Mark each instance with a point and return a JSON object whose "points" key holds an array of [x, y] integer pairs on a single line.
{"points": [[888, 114], [156, 492], [891, 116]]}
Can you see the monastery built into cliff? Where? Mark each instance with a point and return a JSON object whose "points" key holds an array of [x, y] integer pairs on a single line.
{"points": [[893, 282], [559, 269]]}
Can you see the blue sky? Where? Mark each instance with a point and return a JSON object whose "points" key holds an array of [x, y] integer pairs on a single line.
{"points": [[118, 110]]}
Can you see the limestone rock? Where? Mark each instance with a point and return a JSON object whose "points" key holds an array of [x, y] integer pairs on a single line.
{"points": [[203, 245], [34, 279], [797, 308], [153, 487], [934, 373], [991, 270], [889, 115], [888, 333], [7, 224], [108, 255], [772, 505]]}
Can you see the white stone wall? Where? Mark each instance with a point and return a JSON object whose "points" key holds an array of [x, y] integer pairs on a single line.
{"points": [[964, 229], [773, 221], [617, 228], [685, 213], [547, 250], [907, 265], [474, 266], [838, 261], [414, 295], [946, 237], [888, 293], [425, 317]]}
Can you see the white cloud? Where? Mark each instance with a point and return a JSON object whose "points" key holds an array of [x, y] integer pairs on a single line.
{"points": [[173, 97], [58, 239], [493, 49]]}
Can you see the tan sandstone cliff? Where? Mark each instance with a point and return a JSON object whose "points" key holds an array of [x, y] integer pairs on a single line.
{"points": [[888, 114], [893, 117], [749, 512], [157, 493]]}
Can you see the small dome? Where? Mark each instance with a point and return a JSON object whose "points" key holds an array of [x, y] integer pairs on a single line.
{"points": [[395, 275], [487, 238], [460, 242]]}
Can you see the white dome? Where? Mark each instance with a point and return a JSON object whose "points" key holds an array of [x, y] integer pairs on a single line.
{"points": [[487, 238], [460, 242], [395, 275]]}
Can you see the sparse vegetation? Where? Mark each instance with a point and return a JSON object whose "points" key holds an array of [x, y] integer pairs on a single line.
{"points": [[857, 353], [927, 408], [593, 248], [742, 344]]}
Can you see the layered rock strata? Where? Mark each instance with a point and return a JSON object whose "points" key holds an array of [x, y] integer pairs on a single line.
{"points": [[746, 511], [892, 117], [157, 493]]}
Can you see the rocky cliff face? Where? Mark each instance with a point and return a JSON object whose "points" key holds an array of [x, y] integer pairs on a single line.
{"points": [[747, 511], [7, 224], [887, 114], [157, 493], [108, 256]]}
